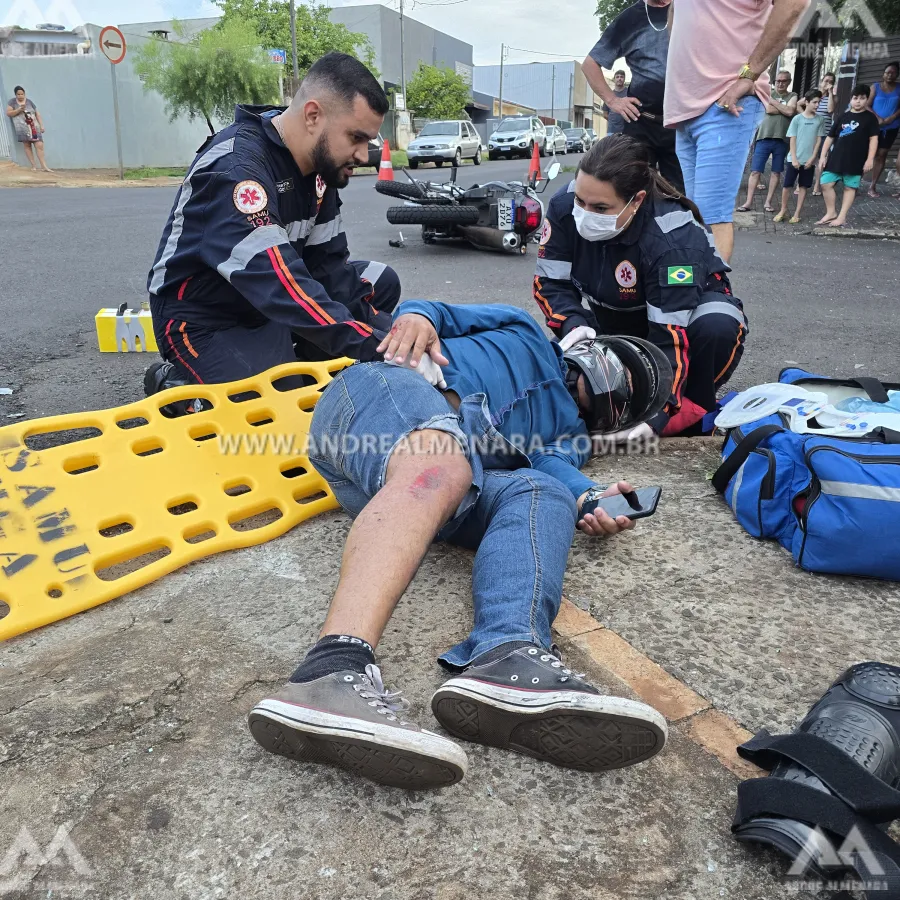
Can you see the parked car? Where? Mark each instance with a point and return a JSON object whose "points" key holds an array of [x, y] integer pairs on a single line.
{"points": [[518, 136], [593, 136], [577, 140], [439, 142], [556, 139]]}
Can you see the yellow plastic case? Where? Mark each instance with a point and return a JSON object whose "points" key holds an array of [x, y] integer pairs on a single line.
{"points": [[134, 495], [125, 330]]}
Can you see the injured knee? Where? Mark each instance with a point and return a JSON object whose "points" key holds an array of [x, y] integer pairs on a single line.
{"points": [[430, 463]]}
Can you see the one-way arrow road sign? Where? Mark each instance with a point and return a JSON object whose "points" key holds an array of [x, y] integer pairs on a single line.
{"points": [[112, 44]]}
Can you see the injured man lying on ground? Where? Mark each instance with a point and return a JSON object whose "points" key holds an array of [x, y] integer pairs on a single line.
{"points": [[484, 452]]}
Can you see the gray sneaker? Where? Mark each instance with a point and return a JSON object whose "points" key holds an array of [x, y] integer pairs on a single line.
{"points": [[528, 702], [350, 720]]}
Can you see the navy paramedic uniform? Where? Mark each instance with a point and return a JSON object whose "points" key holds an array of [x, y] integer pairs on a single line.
{"points": [[661, 279], [253, 269]]}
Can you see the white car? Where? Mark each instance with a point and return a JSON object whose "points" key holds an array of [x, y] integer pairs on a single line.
{"points": [[440, 142], [556, 139], [518, 136]]}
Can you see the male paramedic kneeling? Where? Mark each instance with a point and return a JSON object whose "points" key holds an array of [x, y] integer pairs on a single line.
{"points": [[253, 268], [490, 464]]}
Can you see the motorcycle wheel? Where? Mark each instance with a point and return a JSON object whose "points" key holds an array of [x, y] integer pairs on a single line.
{"points": [[398, 189], [432, 215]]}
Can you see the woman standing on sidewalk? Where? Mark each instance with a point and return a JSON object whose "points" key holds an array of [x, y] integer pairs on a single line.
{"points": [[884, 101], [29, 127]]}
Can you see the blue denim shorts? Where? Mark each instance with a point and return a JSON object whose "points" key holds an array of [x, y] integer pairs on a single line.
{"points": [[712, 150], [774, 147], [363, 416]]}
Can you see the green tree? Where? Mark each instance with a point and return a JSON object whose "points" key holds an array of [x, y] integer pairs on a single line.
{"points": [[436, 93], [607, 10], [210, 74], [316, 33]]}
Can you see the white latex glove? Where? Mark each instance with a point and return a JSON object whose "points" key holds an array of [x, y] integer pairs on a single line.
{"points": [[581, 333], [642, 432], [427, 368]]}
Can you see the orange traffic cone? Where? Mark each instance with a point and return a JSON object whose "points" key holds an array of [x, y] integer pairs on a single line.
{"points": [[386, 170], [535, 168]]}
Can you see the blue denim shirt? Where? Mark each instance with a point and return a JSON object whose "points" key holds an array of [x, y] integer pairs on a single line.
{"points": [[511, 379]]}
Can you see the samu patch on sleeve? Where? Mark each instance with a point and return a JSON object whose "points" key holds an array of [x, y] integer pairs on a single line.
{"points": [[677, 276]]}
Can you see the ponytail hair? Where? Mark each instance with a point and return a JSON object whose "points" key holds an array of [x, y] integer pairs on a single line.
{"points": [[624, 163]]}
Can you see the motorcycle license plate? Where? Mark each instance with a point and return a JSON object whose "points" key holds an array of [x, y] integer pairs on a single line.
{"points": [[505, 215]]}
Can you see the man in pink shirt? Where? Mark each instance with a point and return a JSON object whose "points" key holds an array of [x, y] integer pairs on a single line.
{"points": [[716, 84]]}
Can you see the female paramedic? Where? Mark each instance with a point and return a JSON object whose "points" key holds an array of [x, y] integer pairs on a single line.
{"points": [[624, 253]]}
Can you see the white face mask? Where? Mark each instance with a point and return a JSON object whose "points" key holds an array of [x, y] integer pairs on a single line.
{"points": [[599, 226]]}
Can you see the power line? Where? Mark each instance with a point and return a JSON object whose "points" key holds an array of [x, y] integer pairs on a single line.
{"points": [[543, 53]]}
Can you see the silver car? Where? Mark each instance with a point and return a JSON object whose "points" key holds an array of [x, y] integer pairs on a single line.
{"points": [[518, 136], [440, 142], [556, 139]]}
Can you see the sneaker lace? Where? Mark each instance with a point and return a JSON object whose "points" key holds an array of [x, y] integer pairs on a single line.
{"points": [[555, 660], [386, 703]]}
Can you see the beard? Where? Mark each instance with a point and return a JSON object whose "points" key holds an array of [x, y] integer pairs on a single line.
{"points": [[333, 173]]}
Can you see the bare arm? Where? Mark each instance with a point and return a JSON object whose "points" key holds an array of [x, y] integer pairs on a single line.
{"points": [[794, 161], [831, 96], [815, 155], [873, 149], [777, 32], [779, 28], [13, 112], [627, 107], [823, 159]]}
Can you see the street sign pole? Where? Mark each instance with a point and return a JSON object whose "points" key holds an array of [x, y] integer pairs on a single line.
{"points": [[113, 47], [115, 93]]}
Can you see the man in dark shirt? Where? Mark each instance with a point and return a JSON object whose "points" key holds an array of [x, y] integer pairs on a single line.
{"points": [[615, 124], [253, 268], [854, 139], [639, 34]]}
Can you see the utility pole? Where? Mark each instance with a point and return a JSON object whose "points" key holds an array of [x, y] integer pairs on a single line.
{"points": [[296, 84], [572, 99], [500, 109], [402, 58], [553, 94]]}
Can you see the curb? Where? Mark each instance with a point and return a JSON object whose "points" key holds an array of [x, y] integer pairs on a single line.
{"points": [[693, 716]]}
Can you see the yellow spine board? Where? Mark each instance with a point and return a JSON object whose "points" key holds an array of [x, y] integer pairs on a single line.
{"points": [[135, 495]]}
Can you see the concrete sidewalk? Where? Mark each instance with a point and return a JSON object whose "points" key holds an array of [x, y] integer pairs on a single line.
{"points": [[126, 724]]}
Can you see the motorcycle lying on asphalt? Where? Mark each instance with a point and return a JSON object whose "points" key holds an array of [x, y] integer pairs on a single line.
{"points": [[497, 215]]}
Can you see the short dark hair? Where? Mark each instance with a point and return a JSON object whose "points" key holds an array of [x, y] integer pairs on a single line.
{"points": [[619, 72], [347, 78], [814, 94], [830, 75], [860, 90], [895, 64], [18, 88]]}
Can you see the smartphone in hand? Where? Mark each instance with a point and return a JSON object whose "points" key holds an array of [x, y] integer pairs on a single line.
{"points": [[637, 505]]}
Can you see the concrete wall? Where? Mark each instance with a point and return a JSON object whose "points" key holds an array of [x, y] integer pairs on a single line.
{"points": [[74, 96]]}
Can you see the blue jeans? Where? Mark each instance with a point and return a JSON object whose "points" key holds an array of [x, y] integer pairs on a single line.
{"points": [[519, 522], [712, 150]]}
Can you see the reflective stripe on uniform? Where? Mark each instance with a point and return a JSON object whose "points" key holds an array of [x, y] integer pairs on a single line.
{"points": [[860, 491], [554, 268], [300, 229], [717, 306], [322, 234], [259, 240], [681, 217], [184, 196], [373, 271], [681, 317]]}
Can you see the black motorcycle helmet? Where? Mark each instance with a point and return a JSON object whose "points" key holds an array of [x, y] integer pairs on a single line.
{"points": [[627, 379]]}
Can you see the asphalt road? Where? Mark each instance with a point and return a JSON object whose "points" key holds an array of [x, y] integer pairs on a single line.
{"points": [[828, 303]]}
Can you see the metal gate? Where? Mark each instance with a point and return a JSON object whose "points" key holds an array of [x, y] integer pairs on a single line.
{"points": [[5, 140]]}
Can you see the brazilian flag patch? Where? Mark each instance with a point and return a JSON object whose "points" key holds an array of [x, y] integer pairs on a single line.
{"points": [[680, 275]]}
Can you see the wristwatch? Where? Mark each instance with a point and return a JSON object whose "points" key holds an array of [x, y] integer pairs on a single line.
{"points": [[591, 500], [747, 72]]}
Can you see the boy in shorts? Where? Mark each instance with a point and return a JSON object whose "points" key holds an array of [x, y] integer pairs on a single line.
{"points": [[805, 134], [854, 137]]}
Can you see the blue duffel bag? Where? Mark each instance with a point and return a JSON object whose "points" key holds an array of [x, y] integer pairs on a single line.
{"points": [[833, 502]]}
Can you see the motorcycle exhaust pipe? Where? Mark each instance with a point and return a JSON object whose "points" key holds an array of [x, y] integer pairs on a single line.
{"points": [[490, 238]]}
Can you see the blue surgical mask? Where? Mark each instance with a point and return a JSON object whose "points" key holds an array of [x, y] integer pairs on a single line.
{"points": [[599, 226]]}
